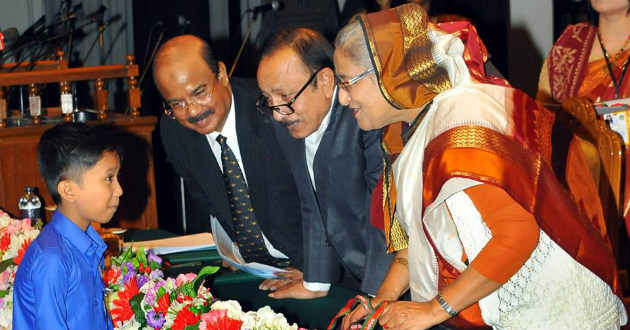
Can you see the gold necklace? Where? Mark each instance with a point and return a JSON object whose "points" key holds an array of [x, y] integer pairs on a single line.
{"points": [[618, 54], [616, 82]]}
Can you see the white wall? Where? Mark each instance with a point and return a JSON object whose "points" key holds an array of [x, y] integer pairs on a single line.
{"points": [[529, 39]]}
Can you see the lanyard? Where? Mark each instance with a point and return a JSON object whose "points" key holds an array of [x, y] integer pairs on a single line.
{"points": [[616, 83]]}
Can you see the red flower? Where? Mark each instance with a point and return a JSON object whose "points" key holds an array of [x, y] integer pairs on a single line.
{"points": [[122, 310], [5, 241], [184, 318], [22, 250], [217, 319], [111, 275], [162, 304]]}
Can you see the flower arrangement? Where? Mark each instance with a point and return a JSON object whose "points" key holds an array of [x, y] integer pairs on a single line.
{"points": [[15, 237], [140, 298]]}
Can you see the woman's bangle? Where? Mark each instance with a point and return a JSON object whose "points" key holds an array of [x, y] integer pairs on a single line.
{"points": [[402, 261], [446, 306]]}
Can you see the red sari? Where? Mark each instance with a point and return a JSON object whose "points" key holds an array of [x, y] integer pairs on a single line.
{"points": [[569, 72]]}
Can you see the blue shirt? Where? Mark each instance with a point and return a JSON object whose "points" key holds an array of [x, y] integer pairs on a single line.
{"points": [[58, 284]]}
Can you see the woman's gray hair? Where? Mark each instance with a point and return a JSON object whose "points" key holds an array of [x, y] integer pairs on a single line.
{"points": [[352, 44]]}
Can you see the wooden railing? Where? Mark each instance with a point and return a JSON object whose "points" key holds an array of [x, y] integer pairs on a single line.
{"points": [[46, 72]]}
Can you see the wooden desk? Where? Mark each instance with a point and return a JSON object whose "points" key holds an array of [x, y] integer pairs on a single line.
{"points": [[18, 169], [228, 285]]}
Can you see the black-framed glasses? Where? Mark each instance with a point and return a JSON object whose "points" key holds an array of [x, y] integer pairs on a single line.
{"points": [[201, 97], [345, 85], [284, 109]]}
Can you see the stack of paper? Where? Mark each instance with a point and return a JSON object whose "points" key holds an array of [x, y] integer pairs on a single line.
{"points": [[231, 254], [177, 244]]}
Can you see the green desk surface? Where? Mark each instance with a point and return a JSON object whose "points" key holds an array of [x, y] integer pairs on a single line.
{"points": [[243, 287]]}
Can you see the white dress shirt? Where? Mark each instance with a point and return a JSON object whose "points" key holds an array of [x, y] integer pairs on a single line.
{"points": [[229, 132]]}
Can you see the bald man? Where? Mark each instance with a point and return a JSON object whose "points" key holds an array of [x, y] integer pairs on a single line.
{"points": [[227, 154]]}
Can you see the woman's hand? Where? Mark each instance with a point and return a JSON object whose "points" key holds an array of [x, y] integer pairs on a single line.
{"points": [[407, 315], [356, 315]]}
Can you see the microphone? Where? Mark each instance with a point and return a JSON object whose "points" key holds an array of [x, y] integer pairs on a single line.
{"points": [[274, 5], [8, 37]]}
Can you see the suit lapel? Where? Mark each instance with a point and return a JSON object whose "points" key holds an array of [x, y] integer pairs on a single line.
{"points": [[252, 155], [321, 163], [211, 178]]}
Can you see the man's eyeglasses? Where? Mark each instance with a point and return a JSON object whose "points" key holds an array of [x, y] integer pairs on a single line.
{"points": [[345, 85], [201, 96], [284, 109]]}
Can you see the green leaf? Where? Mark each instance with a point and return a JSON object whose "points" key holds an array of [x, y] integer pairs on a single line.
{"points": [[3, 293], [135, 262], [142, 256], [136, 307], [6, 263], [203, 273], [193, 326]]}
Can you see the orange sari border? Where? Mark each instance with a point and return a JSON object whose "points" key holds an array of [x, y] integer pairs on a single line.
{"points": [[487, 156]]}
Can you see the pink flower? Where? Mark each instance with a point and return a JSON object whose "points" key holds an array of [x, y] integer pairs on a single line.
{"points": [[26, 224], [217, 319], [183, 278], [4, 280], [14, 227]]}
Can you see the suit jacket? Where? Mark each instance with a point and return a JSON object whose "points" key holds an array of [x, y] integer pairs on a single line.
{"points": [[271, 185], [336, 218]]}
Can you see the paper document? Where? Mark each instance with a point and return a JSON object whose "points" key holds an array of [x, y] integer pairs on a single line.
{"points": [[230, 253], [177, 244]]}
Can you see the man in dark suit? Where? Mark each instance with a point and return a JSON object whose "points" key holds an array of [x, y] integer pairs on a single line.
{"points": [[213, 135], [334, 163]]}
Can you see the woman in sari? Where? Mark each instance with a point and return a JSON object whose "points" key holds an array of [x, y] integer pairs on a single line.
{"points": [[484, 232], [590, 59]]}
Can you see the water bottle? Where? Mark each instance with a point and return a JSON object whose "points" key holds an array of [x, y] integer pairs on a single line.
{"points": [[30, 205]]}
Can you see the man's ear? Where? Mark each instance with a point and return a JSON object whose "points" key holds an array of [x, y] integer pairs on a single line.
{"points": [[222, 75], [326, 81], [66, 190]]}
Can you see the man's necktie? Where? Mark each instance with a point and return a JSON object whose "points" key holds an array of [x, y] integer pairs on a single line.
{"points": [[248, 234]]}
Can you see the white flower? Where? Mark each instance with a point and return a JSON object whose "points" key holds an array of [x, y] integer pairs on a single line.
{"points": [[233, 308], [130, 324], [272, 320], [250, 321]]}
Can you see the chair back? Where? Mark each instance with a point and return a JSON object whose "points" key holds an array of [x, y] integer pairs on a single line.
{"points": [[604, 153]]}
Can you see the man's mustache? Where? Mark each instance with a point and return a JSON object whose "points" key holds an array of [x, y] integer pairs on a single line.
{"points": [[205, 114], [288, 122]]}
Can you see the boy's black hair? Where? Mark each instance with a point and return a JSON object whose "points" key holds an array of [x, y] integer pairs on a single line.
{"points": [[67, 150]]}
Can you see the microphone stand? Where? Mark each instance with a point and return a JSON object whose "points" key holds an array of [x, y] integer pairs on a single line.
{"points": [[240, 50]]}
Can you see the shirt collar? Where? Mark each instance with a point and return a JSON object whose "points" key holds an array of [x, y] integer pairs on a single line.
{"points": [[88, 242], [229, 128], [316, 136]]}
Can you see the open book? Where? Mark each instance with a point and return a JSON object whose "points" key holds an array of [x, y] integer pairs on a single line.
{"points": [[229, 252], [177, 244]]}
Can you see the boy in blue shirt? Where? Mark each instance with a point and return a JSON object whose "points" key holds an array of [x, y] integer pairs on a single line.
{"points": [[58, 284]]}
